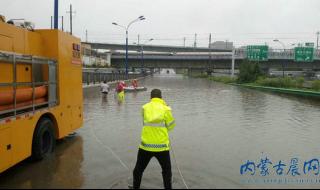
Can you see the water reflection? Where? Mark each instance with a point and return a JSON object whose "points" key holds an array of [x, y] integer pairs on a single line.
{"points": [[61, 170], [218, 128]]}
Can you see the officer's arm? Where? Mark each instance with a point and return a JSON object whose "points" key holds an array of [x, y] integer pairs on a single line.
{"points": [[142, 114], [170, 121]]}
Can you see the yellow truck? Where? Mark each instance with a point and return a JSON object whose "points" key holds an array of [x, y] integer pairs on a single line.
{"points": [[41, 97]]}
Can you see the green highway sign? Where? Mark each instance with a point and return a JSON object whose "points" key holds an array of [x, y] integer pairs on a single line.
{"points": [[257, 53], [303, 54]]}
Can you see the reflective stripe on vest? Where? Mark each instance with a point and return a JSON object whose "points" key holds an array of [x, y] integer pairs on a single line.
{"points": [[154, 125], [154, 145], [173, 122]]}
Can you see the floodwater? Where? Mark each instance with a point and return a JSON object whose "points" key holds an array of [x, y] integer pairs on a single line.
{"points": [[219, 127]]}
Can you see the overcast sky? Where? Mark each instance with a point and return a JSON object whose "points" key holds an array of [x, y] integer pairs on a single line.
{"points": [[169, 21]]}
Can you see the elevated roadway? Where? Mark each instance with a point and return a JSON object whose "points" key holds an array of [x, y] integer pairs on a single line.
{"points": [[151, 48], [276, 60]]}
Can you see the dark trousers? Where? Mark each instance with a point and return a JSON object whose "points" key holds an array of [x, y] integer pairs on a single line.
{"points": [[143, 160]]}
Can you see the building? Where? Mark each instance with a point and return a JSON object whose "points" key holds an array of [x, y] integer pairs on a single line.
{"points": [[92, 57], [224, 45]]}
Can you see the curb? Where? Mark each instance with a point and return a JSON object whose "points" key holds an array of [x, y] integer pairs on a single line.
{"points": [[282, 90]]}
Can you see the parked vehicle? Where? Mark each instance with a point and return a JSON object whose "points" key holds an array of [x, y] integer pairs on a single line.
{"points": [[40, 91]]}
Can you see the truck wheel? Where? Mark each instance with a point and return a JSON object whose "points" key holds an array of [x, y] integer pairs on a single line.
{"points": [[43, 140]]}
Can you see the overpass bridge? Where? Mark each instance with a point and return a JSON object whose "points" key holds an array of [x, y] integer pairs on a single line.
{"points": [[151, 48], [277, 59], [178, 57]]}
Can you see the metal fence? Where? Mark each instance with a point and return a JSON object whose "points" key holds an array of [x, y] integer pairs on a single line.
{"points": [[97, 78]]}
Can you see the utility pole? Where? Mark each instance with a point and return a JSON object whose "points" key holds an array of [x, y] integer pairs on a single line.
{"points": [[62, 23], [195, 40], [138, 39], [71, 14], [86, 35], [210, 53], [184, 42], [51, 22], [56, 14], [233, 62], [71, 19], [318, 33]]}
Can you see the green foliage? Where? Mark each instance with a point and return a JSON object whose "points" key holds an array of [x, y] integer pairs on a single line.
{"points": [[300, 81], [316, 85], [286, 82], [249, 72], [223, 79]]}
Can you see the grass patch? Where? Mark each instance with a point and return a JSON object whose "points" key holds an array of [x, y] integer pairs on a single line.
{"points": [[223, 79], [316, 85], [286, 82]]}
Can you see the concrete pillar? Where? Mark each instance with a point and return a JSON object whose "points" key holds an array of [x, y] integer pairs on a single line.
{"points": [[233, 62]]}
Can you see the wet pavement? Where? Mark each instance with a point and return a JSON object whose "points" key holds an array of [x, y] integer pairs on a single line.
{"points": [[219, 127]]}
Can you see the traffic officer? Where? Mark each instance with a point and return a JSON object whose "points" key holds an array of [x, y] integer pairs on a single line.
{"points": [[157, 122]]}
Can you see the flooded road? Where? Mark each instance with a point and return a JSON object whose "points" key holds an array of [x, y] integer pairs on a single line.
{"points": [[219, 127]]}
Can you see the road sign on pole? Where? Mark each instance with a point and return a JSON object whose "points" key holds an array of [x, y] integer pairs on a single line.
{"points": [[303, 54], [257, 53]]}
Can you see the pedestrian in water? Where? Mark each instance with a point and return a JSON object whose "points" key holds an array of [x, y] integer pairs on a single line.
{"points": [[155, 142], [105, 88], [134, 83], [120, 91]]}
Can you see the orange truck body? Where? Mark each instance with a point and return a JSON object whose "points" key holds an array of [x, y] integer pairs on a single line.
{"points": [[16, 131]]}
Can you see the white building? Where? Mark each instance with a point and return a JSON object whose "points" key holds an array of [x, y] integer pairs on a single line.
{"points": [[92, 57], [224, 45]]}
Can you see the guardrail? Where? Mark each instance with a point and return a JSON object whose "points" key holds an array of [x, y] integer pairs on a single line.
{"points": [[97, 77]]}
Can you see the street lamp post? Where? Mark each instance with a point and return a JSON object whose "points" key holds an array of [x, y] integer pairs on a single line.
{"points": [[142, 50], [56, 14], [127, 38], [284, 49]]}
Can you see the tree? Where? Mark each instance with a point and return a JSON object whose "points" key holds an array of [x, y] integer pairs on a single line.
{"points": [[249, 72]]}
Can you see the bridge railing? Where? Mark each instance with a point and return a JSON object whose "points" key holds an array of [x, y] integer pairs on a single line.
{"points": [[89, 78]]}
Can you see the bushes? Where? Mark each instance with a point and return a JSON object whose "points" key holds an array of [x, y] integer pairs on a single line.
{"points": [[249, 72], [286, 82], [223, 79], [316, 85], [300, 81]]}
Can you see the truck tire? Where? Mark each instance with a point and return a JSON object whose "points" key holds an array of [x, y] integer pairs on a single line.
{"points": [[43, 140]]}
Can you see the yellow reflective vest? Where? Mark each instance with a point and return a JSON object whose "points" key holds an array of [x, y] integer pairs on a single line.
{"points": [[157, 122], [121, 96]]}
